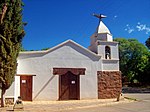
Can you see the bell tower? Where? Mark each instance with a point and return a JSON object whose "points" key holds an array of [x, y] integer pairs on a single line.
{"points": [[109, 76], [102, 41]]}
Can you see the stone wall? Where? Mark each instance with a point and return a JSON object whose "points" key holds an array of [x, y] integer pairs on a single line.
{"points": [[8, 101], [109, 84]]}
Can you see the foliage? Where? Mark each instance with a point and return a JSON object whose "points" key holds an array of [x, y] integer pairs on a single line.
{"points": [[145, 76], [147, 43], [134, 58], [44, 49], [11, 34]]}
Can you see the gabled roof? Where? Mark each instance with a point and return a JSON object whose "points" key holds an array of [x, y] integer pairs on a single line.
{"points": [[26, 54]]}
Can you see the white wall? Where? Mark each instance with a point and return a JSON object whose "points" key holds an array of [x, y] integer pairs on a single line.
{"points": [[10, 92], [68, 56], [110, 65], [16, 87]]}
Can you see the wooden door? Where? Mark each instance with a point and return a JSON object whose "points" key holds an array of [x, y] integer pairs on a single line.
{"points": [[64, 88], [26, 88], [69, 87], [73, 87]]}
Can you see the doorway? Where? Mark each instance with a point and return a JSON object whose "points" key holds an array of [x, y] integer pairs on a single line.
{"points": [[69, 86], [26, 88]]}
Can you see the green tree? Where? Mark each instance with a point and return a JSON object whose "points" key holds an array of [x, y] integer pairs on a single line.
{"points": [[11, 34], [145, 75], [133, 58], [147, 43]]}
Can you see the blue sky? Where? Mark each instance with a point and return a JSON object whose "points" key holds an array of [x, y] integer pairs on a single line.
{"points": [[51, 22]]}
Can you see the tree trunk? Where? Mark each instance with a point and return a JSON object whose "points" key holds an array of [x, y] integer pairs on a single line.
{"points": [[3, 90]]}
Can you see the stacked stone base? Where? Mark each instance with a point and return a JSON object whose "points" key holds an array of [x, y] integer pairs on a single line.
{"points": [[109, 84], [8, 101]]}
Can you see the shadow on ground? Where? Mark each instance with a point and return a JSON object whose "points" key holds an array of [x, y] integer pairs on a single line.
{"points": [[135, 90]]}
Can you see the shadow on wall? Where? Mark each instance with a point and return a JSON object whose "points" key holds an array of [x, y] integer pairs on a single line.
{"points": [[43, 87], [89, 53]]}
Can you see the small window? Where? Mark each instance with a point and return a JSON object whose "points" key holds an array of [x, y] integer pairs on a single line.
{"points": [[107, 52]]}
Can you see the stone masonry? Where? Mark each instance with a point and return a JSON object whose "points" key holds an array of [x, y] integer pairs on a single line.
{"points": [[109, 84]]}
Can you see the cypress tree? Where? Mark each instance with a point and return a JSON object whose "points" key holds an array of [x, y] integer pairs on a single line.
{"points": [[11, 34]]}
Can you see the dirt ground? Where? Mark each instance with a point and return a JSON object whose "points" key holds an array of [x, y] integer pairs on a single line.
{"points": [[63, 106], [92, 105]]}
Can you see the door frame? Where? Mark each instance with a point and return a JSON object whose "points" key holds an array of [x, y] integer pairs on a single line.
{"points": [[78, 87], [27, 75], [63, 71]]}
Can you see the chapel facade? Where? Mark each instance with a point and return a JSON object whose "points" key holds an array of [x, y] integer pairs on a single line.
{"points": [[70, 71]]}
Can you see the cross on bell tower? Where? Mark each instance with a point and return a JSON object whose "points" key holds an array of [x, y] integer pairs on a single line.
{"points": [[102, 32], [100, 16]]}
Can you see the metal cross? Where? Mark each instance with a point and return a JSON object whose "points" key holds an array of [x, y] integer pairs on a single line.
{"points": [[100, 16]]}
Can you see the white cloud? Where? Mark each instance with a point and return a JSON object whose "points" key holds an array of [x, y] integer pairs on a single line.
{"points": [[143, 27], [138, 23], [147, 30], [139, 27], [115, 17], [129, 29]]}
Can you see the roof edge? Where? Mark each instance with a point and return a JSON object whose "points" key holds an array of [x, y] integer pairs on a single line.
{"points": [[57, 46]]}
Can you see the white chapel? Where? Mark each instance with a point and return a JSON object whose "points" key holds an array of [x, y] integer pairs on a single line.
{"points": [[69, 71]]}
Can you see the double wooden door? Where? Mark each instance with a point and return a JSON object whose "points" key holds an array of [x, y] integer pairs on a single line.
{"points": [[69, 87], [26, 88]]}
